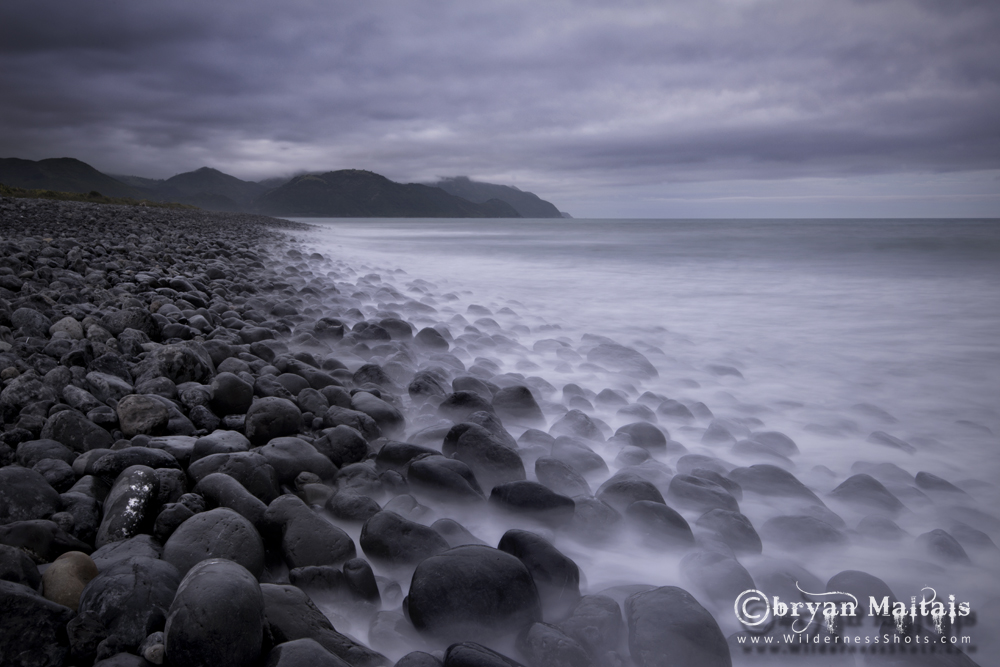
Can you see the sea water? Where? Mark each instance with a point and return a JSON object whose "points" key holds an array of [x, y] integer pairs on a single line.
{"points": [[825, 330]]}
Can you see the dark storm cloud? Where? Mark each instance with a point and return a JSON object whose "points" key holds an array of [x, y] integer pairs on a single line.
{"points": [[565, 95]]}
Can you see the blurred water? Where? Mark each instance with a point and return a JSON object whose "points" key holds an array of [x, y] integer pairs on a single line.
{"points": [[900, 317]]}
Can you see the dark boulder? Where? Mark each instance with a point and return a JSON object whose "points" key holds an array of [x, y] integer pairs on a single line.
{"points": [[578, 456], [518, 405], [31, 628], [17, 566], [217, 533], [732, 528], [862, 586], [389, 419], [291, 615], [230, 395], [534, 500], [443, 479], [391, 540], [270, 418], [770, 480], [302, 653], [142, 414], [455, 533], [659, 524], [943, 548], [667, 626], [109, 467], [130, 507], [41, 539], [470, 654], [216, 618], [645, 435], [31, 452], [26, 495], [622, 359], [395, 455], [180, 362], [548, 645], [700, 495], [577, 424], [863, 489], [459, 405], [221, 490], [219, 442], [626, 488], [349, 506], [594, 521], [560, 477], [292, 456], [472, 590], [431, 339], [342, 445], [307, 538], [248, 468], [75, 431], [595, 622], [359, 421], [555, 575]]}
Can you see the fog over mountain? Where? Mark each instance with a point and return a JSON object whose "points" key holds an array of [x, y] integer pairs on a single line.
{"points": [[722, 107]]}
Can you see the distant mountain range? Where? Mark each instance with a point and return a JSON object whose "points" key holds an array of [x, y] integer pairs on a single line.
{"points": [[345, 193]]}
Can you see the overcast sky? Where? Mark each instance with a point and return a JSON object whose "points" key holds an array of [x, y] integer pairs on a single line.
{"points": [[700, 108]]}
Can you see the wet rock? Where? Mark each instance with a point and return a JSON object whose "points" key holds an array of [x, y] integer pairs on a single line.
{"points": [[216, 618], [801, 532], [108, 387], [659, 524], [219, 442], [719, 576], [623, 359], [221, 490], [470, 654], [594, 521], [595, 622], [291, 456], [230, 395], [300, 653], [67, 576], [291, 615], [883, 438], [470, 383], [770, 480], [395, 455], [130, 598], [140, 546], [394, 541], [31, 628], [306, 538], [943, 548], [129, 508], [645, 435], [560, 477], [418, 659], [139, 319], [270, 418], [25, 494], [771, 443], [880, 528], [491, 460], [734, 489], [441, 601], [556, 576], [389, 420], [930, 482], [667, 626], [337, 416], [518, 405], [445, 479], [248, 468], [353, 507], [75, 431], [431, 339], [699, 494], [342, 445], [534, 500], [41, 539], [217, 533], [16, 566], [180, 362], [361, 581], [626, 488], [734, 529], [31, 452], [865, 490], [548, 645], [675, 410], [455, 533], [111, 465], [577, 424], [459, 405]]}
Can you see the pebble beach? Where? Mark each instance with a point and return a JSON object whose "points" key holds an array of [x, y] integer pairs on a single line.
{"points": [[223, 446]]}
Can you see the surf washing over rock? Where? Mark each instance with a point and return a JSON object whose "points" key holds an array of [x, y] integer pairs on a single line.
{"points": [[231, 444]]}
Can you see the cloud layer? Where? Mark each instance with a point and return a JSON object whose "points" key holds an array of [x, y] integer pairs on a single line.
{"points": [[625, 108]]}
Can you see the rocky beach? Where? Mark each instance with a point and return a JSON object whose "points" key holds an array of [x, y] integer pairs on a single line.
{"points": [[222, 445]]}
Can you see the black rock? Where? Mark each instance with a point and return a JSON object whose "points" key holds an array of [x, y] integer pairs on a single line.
{"points": [[395, 455], [342, 445], [659, 524], [577, 424], [431, 339], [292, 615], [555, 575], [302, 653], [667, 626], [699, 494], [769, 480], [472, 590], [217, 533], [534, 500], [306, 538], [130, 598], [292, 456], [179, 362], [865, 490], [360, 580], [17, 566], [518, 405], [140, 546], [645, 435], [862, 586], [219, 442], [75, 431], [459, 405], [31, 628], [57, 473], [130, 506], [418, 659], [349, 506], [270, 418], [359, 421], [390, 420], [719, 576], [560, 477], [548, 645], [25, 494], [595, 622], [943, 548], [491, 460], [930, 482], [470, 654], [578, 456], [216, 618], [248, 468], [221, 490], [732, 528], [626, 488], [110, 466], [390, 539], [594, 521], [31, 452], [230, 395]]}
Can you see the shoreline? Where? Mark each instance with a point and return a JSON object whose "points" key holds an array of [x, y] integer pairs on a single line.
{"points": [[208, 384]]}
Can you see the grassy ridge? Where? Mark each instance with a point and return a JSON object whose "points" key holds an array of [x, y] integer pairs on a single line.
{"points": [[92, 197]]}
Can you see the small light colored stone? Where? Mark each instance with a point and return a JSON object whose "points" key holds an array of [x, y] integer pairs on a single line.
{"points": [[67, 576]]}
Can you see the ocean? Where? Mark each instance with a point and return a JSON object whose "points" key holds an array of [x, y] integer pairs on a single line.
{"points": [[825, 330]]}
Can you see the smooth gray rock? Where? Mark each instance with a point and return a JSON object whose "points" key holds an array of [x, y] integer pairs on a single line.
{"points": [[217, 533], [667, 626]]}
